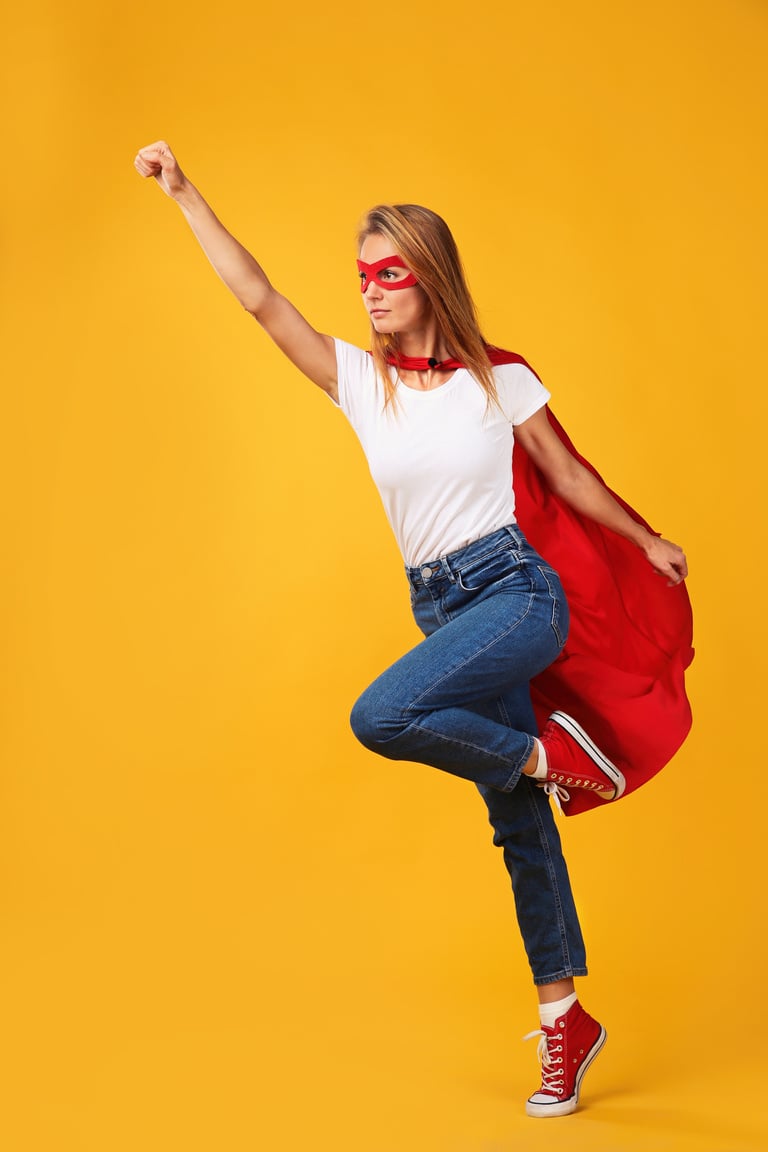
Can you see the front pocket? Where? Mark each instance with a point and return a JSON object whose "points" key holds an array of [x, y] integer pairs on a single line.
{"points": [[488, 570]]}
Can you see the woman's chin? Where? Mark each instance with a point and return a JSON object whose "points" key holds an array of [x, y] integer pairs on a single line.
{"points": [[383, 325]]}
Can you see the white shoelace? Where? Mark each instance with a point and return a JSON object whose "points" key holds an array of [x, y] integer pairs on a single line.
{"points": [[551, 1067], [559, 794]]}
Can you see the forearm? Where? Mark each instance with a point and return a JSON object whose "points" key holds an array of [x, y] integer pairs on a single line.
{"points": [[586, 495], [233, 263]]}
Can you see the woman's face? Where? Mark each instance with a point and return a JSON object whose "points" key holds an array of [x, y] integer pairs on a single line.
{"points": [[397, 309]]}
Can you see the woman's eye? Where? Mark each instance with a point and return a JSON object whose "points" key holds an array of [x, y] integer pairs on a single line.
{"points": [[362, 277], [389, 274]]}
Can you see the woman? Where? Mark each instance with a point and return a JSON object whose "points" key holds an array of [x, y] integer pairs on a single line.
{"points": [[437, 412]]}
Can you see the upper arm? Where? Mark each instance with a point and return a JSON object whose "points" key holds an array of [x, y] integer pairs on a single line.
{"points": [[547, 451], [311, 351]]}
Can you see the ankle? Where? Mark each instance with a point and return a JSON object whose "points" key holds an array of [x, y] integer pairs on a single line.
{"points": [[536, 765], [548, 1013]]}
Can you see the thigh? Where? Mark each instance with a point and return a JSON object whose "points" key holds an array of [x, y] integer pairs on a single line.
{"points": [[491, 649], [512, 708]]}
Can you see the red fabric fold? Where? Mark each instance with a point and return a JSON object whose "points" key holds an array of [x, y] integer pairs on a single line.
{"points": [[622, 671]]}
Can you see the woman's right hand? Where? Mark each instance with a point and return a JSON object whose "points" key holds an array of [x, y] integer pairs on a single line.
{"points": [[157, 160], [313, 353]]}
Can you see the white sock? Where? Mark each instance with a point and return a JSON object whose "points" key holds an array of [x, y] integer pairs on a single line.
{"points": [[548, 1013], [542, 765]]}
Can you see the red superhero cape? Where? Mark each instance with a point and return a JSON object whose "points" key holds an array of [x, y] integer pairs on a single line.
{"points": [[622, 671]]}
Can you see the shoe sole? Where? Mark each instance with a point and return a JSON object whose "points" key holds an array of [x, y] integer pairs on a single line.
{"points": [[566, 1107], [575, 730]]}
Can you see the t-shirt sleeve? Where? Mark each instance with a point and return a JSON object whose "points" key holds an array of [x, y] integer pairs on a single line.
{"points": [[521, 393]]}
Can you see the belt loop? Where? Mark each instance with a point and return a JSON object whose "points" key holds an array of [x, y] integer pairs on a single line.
{"points": [[447, 569]]}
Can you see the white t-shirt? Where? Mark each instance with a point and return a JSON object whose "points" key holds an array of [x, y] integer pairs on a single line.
{"points": [[442, 459]]}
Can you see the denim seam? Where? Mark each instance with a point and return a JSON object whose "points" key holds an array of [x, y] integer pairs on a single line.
{"points": [[504, 713], [478, 562], [554, 621], [498, 582], [514, 779], [553, 884], [472, 561], [417, 726], [563, 974]]}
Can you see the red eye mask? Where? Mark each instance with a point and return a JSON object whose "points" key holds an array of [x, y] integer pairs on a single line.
{"points": [[370, 272]]}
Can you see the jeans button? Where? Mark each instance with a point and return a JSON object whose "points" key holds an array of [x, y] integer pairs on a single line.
{"points": [[426, 572]]}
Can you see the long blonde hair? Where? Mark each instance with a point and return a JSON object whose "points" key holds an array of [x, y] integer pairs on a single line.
{"points": [[426, 244]]}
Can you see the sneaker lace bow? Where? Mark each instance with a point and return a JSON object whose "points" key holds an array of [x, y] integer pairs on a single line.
{"points": [[560, 794]]}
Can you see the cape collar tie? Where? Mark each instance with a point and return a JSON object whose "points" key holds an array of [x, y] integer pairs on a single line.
{"points": [[425, 363]]}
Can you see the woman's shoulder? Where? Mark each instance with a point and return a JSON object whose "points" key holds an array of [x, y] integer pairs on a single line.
{"points": [[520, 389], [351, 359], [510, 365]]}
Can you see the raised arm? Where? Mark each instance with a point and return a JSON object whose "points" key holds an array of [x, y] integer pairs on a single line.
{"points": [[572, 482], [311, 351]]}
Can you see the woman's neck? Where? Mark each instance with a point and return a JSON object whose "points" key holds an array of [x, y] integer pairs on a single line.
{"points": [[426, 342], [430, 350]]}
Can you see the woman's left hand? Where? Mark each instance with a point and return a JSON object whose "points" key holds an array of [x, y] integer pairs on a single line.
{"points": [[667, 559]]}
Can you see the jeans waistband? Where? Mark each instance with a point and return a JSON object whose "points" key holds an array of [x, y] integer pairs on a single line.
{"points": [[447, 566]]}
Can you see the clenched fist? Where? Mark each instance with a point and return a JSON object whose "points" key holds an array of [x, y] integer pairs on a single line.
{"points": [[157, 160], [667, 559]]}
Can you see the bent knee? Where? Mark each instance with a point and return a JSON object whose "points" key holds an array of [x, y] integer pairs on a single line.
{"points": [[363, 720], [376, 726]]}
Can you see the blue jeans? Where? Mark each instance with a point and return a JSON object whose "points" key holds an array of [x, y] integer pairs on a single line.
{"points": [[494, 616]]}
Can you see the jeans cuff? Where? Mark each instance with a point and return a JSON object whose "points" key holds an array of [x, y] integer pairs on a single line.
{"points": [[514, 778]]}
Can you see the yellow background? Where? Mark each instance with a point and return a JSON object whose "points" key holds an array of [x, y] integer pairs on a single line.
{"points": [[225, 924]]}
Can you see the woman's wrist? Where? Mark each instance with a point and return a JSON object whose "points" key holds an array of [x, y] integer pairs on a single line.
{"points": [[636, 533], [186, 195], [644, 539]]}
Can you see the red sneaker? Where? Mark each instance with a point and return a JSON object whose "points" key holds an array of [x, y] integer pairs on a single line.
{"points": [[565, 1051], [575, 761]]}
